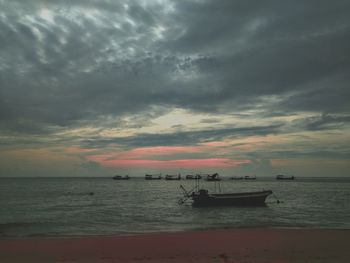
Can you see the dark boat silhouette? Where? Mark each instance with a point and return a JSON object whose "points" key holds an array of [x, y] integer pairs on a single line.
{"points": [[283, 177], [237, 178], [173, 177], [213, 177], [120, 177], [193, 177], [247, 177], [153, 176], [202, 198]]}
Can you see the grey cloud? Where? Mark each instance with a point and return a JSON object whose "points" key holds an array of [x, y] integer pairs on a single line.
{"points": [[323, 122], [181, 137], [319, 154], [211, 120], [290, 46], [210, 57]]}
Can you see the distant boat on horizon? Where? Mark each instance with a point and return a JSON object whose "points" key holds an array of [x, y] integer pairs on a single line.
{"points": [[284, 177], [193, 177], [120, 177], [173, 177], [248, 177], [237, 178], [213, 177], [153, 176]]}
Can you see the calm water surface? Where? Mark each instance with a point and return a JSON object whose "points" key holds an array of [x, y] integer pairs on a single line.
{"points": [[63, 206]]}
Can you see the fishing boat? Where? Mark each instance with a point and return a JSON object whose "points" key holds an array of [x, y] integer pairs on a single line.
{"points": [[153, 177], [120, 177], [202, 198], [283, 177], [193, 177], [173, 177], [236, 178], [247, 177], [213, 177]]}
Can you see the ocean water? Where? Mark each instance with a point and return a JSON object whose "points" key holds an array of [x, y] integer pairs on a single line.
{"points": [[64, 207]]}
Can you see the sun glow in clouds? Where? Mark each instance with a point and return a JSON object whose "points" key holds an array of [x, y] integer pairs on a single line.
{"points": [[147, 157], [47, 15]]}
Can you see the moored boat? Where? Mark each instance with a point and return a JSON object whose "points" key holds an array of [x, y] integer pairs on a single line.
{"points": [[213, 177], [120, 177], [203, 198], [236, 178], [173, 177], [247, 177], [153, 177], [284, 177], [193, 177]]}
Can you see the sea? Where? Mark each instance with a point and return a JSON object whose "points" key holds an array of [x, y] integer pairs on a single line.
{"points": [[51, 207]]}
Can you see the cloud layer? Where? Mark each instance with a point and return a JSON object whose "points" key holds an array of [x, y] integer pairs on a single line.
{"points": [[99, 74]]}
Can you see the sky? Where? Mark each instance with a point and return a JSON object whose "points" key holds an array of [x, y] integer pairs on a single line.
{"points": [[97, 88]]}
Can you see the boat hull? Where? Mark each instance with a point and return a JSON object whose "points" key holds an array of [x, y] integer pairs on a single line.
{"points": [[213, 180], [240, 199], [193, 177], [121, 177], [287, 178]]}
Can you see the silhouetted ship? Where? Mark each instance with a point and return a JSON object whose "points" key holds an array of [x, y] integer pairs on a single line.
{"points": [[247, 177], [120, 177], [153, 176], [283, 177], [213, 177], [173, 177], [193, 177], [236, 178], [201, 197]]}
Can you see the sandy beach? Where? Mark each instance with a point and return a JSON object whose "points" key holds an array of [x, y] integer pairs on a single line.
{"points": [[226, 245]]}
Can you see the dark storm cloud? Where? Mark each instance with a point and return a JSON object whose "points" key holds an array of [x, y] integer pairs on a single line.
{"points": [[286, 47], [91, 60], [323, 122]]}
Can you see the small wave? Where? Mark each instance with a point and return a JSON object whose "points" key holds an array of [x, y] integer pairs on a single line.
{"points": [[18, 224], [21, 229]]}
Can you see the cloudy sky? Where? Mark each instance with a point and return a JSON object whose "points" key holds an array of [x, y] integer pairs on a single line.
{"points": [[95, 88]]}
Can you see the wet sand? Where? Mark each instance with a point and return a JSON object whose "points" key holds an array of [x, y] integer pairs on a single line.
{"points": [[225, 246]]}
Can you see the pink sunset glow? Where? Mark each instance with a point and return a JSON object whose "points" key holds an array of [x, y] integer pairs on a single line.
{"points": [[138, 153], [182, 163], [148, 152]]}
